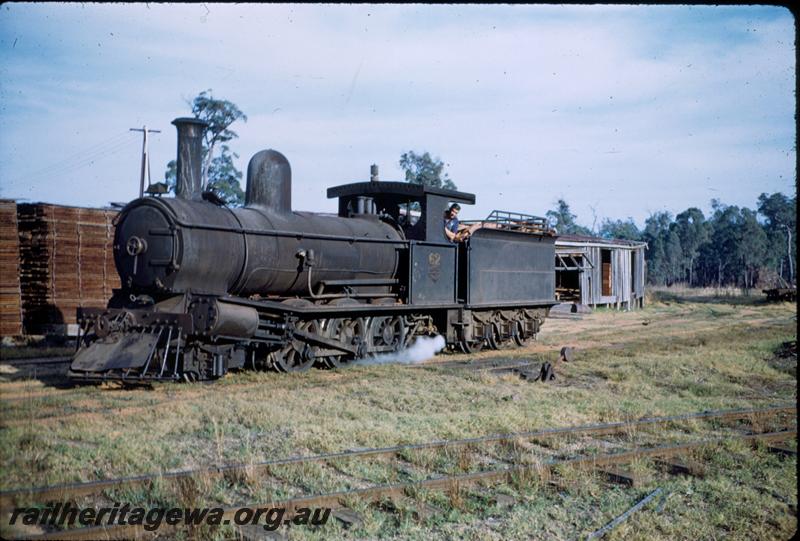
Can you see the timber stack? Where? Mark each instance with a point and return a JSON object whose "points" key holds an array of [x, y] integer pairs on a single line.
{"points": [[66, 262], [10, 306]]}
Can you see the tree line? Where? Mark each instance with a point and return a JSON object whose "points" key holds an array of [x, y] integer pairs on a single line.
{"points": [[733, 246]]}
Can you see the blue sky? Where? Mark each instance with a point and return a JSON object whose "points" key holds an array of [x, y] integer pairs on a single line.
{"points": [[621, 110]]}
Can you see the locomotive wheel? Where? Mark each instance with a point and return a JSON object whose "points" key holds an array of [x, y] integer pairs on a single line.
{"points": [[260, 360], [191, 376], [387, 333], [493, 338], [297, 356], [519, 333], [470, 346], [346, 331], [409, 336]]}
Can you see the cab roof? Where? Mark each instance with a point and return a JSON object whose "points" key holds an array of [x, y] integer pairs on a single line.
{"points": [[402, 189]]}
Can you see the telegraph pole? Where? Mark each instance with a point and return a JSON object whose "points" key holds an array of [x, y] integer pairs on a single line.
{"points": [[145, 158]]}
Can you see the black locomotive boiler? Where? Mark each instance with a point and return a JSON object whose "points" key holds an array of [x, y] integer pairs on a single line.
{"points": [[207, 288]]}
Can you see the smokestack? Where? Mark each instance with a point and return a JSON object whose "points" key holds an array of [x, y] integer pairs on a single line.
{"points": [[373, 173], [269, 182], [189, 184]]}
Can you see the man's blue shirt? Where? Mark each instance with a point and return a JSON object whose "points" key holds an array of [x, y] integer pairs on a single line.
{"points": [[451, 225]]}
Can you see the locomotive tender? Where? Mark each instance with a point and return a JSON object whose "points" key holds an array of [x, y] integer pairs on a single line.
{"points": [[207, 288]]}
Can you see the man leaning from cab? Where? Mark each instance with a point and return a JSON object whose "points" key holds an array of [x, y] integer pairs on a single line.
{"points": [[453, 230]]}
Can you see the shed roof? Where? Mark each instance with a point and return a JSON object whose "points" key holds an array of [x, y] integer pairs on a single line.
{"points": [[574, 240]]}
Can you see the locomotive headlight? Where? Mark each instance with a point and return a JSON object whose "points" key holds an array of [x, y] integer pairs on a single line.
{"points": [[136, 246]]}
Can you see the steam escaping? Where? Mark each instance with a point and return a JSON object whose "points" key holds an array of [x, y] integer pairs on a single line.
{"points": [[423, 348]]}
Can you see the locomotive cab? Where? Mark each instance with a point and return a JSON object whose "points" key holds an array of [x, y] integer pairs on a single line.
{"points": [[430, 264], [416, 209]]}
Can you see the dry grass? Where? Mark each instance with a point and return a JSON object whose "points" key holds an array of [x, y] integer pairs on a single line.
{"points": [[694, 353]]}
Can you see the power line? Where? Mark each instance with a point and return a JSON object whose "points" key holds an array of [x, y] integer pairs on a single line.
{"points": [[85, 155], [80, 154], [81, 162], [76, 163]]}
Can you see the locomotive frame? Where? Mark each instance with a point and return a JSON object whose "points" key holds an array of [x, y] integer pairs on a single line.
{"points": [[207, 289]]}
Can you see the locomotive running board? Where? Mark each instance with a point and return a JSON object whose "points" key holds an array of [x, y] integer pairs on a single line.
{"points": [[377, 308]]}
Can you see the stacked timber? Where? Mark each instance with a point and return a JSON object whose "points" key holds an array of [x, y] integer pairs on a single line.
{"points": [[66, 262], [10, 305]]}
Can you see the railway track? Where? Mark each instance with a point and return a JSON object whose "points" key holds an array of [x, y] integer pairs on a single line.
{"points": [[531, 368], [37, 361], [482, 365], [491, 366], [502, 469], [45, 396], [48, 370], [71, 416]]}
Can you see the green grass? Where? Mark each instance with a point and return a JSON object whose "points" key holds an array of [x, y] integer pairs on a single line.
{"points": [[692, 354]]}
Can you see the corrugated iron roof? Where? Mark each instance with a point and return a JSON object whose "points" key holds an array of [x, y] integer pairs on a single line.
{"points": [[585, 239]]}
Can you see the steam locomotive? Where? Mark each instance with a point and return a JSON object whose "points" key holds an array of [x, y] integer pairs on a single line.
{"points": [[207, 288]]}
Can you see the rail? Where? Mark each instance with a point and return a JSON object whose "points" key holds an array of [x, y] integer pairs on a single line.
{"points": [[514, 221]]}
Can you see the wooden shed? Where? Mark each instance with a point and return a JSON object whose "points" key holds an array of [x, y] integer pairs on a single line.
{"points": [[595, 271]]}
